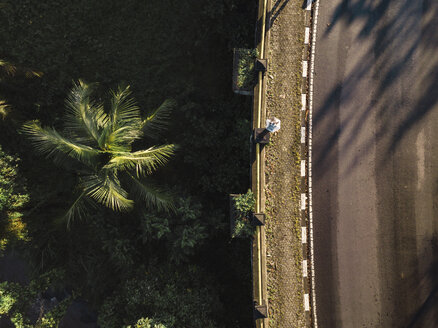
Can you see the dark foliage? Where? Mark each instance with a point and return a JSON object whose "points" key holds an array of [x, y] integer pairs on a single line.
{"points": [[163, 49]]}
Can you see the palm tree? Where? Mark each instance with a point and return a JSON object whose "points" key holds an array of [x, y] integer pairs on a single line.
{"points": [[99, 143]]}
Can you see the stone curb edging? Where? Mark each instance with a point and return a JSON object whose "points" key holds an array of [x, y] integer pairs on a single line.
{"points": [[258, 248], [306, 152]]}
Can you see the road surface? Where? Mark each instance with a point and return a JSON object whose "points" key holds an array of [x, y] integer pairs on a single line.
{"points": [[375, 163]]}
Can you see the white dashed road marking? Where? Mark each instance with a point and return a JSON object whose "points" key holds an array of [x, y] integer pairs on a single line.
{"points": [[303, 201], [306, 302], [304, 235], [303, 101], [307, 35], [305, 268], [305, 67]]}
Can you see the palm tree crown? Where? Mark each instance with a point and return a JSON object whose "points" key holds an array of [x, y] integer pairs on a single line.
{"points": [[100, 142]]}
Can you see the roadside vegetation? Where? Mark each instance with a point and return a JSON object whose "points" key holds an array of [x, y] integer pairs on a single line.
{"points": [[243, 209], [246, 76], [78, 201]]}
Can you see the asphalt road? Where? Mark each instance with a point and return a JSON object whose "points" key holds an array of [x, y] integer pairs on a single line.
{"points": [[375, 163]]}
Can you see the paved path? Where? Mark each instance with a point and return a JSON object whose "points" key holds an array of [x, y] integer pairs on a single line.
{"points": [[375, 163]]}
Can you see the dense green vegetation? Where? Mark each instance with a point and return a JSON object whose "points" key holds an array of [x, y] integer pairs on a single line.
{"points": [[243, 208], [18, 302], [13, 198], [146, 267], [245, 68]]}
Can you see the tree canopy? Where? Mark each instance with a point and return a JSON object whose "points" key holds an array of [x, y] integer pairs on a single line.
{"points": [[164, 49], [98, 144]]}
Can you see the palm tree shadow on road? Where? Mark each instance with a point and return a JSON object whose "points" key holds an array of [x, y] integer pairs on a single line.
{"points": [[398, 35], [387, 72]]}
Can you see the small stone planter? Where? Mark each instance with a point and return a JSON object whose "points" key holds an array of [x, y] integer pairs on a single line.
{"points": [[244, 73]]}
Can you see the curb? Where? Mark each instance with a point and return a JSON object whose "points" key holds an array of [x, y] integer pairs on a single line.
{"points": [[258, 248], [306, 164]]}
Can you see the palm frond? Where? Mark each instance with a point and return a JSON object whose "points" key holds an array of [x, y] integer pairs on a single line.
{"points": [[151, 194], [119, 140], [124, 110], [10, 69], [104, 137], [159, 119], [143, 161], [84, 118], [77, 210], [51, 144], [4, 108], [28, 73], [7, 68], [105, 189]]}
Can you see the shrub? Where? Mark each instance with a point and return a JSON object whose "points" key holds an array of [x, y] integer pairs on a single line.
{"points": [[146, 323], [13, 198], [244, 207], [175, 297], [20, 302], [245, 68]]}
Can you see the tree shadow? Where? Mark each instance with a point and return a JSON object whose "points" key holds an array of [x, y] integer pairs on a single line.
{"points": [[402, 65], [271, 16], [426, 315], [392, 57], [276, 11], [304, 5]]}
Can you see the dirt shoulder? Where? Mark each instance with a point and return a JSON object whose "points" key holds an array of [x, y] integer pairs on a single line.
{"points": [[282, 189]]}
